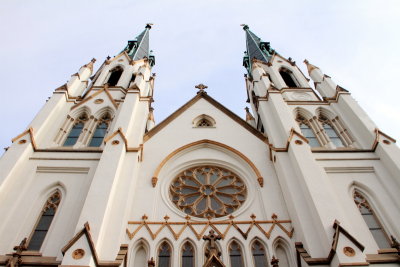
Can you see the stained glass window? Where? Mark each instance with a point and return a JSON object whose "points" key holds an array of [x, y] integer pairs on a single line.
{"points": [[187, 255], [235, 255], [309, 134], [164, 255], [43, 225], [208, 191], [258, 251], [371, 220]]}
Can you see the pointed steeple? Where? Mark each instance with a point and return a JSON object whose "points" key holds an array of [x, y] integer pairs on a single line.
{"points": [[255, 48], [139, 48]]}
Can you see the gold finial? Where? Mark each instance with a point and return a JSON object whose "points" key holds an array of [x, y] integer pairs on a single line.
{"points": [[201, 88]]}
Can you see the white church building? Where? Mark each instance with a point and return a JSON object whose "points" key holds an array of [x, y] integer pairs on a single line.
{"points": [[306, 179]]}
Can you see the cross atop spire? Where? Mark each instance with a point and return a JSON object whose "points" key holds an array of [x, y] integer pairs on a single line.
{"points": [[139, 48], [255, 48]]}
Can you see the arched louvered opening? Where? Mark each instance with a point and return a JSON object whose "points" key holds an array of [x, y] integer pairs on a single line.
{"points": [[307, 131], [115, 76], [100, 132], [235, 255], [43, 225], [371, 220], [164, 255], [282, 255], [187, 255], [75, 131], [288, 78], [259, 254]]}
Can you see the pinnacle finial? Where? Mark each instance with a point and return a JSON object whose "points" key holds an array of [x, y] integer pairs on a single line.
{"points": [[249, 117], [148, 25], [245, 26], [310, 67]]}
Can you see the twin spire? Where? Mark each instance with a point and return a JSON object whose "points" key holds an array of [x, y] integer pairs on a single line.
{"points": [[255, 48], [139, 48]]}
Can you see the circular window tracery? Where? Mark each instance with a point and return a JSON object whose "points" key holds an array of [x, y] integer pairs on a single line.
{"points": [[207, 191]]}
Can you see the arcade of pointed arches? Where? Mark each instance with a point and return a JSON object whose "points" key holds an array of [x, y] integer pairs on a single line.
{"points": [[188, 253]]}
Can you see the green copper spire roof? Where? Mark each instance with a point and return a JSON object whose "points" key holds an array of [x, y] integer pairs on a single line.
{"points": [[255, 48], [139, 48]]}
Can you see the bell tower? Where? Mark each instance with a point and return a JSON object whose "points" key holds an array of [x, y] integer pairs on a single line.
{"points": [[313, 135]]}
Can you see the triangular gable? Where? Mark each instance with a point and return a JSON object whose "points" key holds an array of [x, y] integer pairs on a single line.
{"points": [[212, 101], [301, 252], [105, 89], [121, 256]]}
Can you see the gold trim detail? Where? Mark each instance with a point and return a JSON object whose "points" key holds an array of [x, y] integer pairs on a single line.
{"points": [[104, 89], [302, 252], [127, 148], [220, 227], [78, 254], [206, 141]]}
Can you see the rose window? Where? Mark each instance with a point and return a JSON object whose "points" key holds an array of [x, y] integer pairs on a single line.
{"points": [[208, 191]]}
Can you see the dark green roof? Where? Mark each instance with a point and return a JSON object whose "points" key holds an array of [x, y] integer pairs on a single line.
{"points": [[139, 48], [255, 48]]}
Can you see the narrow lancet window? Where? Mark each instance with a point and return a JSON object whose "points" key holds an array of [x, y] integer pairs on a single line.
{"points": [[187, 255], [333, 136], [45, 219], [287, 77], [164, 255], [114, 76], [235, 255], [371, 220], [100, 131], [307, 131], [258, 251], [76, 131], [282, 256]]}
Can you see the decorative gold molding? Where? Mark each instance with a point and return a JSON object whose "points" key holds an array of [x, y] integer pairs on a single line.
{"points": [[31, 136], [224, 227], [96, 94], [378, 133], [121, 256], [206, 141], [127, 148]]}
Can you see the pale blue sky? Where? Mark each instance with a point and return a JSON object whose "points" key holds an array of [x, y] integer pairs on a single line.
{"points": [[357, 43]]}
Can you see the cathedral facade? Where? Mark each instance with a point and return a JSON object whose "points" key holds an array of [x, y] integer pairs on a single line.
{"points": [[306, 179]]}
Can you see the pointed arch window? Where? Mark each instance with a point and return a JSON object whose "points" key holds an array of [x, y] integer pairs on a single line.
{"points": [[100, 132], [288, 78], [235, 255], [115, 76], [371, 220], [44, 222], [164, 255], [76, 131], [259, 256], [331, 132], [282, 255], [308, 132], [187, 255]]}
